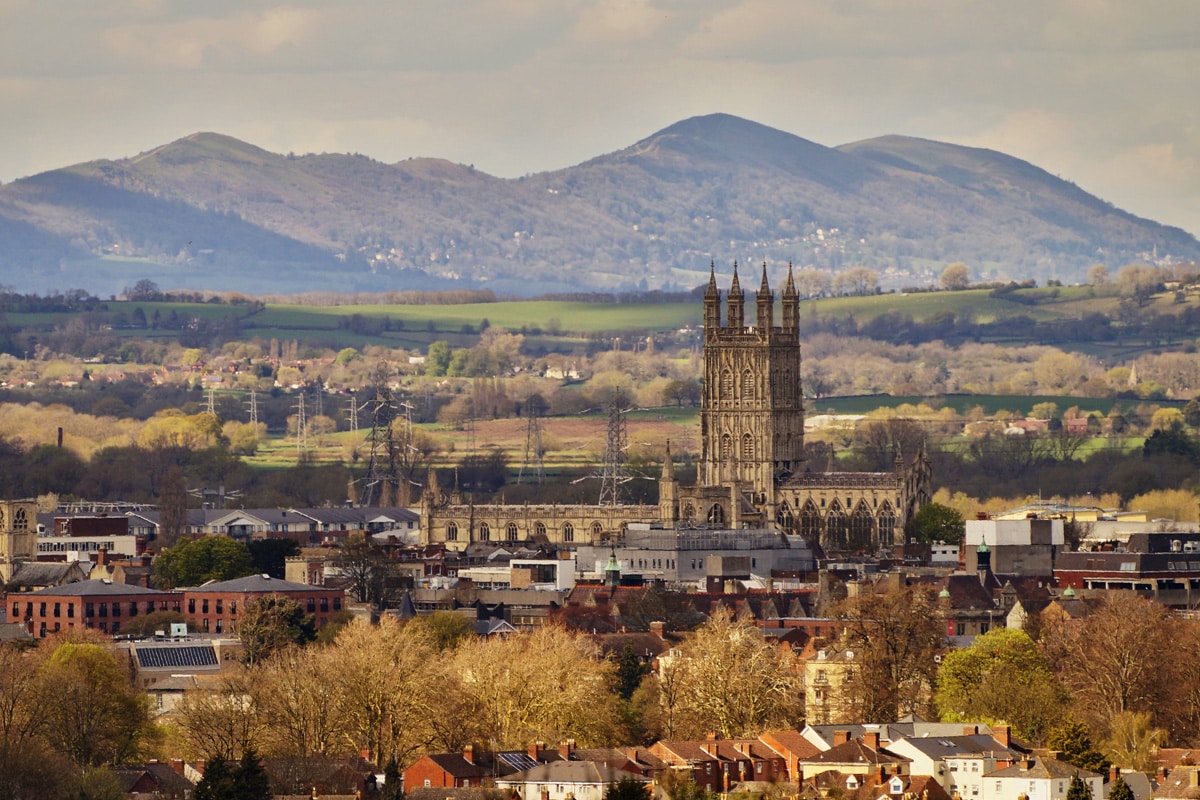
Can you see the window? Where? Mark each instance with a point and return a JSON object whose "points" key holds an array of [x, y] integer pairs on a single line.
{"points": [[70, 610], [726, 447], [204, 606], [568, 532], [597, 529], [485, 532], [20, 520], [337, 604], [324, 604], [510, 531], [747, 447], [57, 610], [311, 605], [42, 610], [451, 531], [191, 605], [539, 529], [133, 608], [220, 603], [726, 385], [219, 626], [233, 608], [89, 610]]}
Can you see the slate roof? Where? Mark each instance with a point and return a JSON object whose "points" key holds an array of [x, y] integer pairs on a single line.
{"points": [[255, 583], [96, 588], [454, 765], [855, 751], [1043, 768], [47, 573], [577, 772], [941, 747]]}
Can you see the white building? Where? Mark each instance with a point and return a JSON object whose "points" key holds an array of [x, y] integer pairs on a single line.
{"points": [[1039, 779]]}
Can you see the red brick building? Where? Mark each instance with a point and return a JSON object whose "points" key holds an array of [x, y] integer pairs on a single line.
{"points": [[443, 770], [99, 604], [214, 607]]}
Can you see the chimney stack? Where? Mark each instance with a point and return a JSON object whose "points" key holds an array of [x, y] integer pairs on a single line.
{"points": [[469, 754], [658, 628], [177, 765], [1003, 735], [565, 749], [871, 739], [970, 730], [840, 737]]}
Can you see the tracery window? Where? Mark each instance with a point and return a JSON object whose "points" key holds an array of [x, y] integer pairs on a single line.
{"points": [[726, 447], [20, 520], [716, 514], [485, 532], [568, 532], [451, 531], [539, 529], [862, 526], [747, 447], [836, 527], [510, 531], [597, 529], [747, 385], [726, 384], [810, 521]]}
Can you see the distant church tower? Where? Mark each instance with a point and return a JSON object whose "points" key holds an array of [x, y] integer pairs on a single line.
{"points": [[751, 413]]}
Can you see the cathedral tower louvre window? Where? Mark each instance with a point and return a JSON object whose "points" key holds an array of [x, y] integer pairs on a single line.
{"points": [[748, 447]]}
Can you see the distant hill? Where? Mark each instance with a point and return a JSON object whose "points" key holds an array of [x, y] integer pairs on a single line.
{"points": [[212, 212]]}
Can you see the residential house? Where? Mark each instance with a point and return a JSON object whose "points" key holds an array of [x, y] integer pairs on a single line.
{"points": [[154, 779], [565, 780], [1038, 779], [443, 770], [864, 756], [958, 763]]}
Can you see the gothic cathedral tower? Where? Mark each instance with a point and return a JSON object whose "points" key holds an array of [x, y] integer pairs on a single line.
{"points": [[751, 413]]}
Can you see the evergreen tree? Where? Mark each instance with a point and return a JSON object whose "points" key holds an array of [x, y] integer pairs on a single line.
{"points": [[393, 785], [217, 783], [250, 781], [1072, 741], [1119, 790], [630, 671], [626, 789], [1078, 790]]}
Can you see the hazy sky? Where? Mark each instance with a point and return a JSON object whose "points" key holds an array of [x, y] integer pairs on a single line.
{"points": [[1105, 93]]}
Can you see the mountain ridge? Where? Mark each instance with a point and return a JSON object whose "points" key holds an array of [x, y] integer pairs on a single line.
{"points": [[211, 211]]}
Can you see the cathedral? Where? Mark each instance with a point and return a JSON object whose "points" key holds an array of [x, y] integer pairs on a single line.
{"points": [[752, 472]]}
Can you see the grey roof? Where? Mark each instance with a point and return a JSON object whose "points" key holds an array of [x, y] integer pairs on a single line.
{"points": [[939, 747], [95, 588], [1044, 768], [47, 573], [586, 772], [256, 583]]}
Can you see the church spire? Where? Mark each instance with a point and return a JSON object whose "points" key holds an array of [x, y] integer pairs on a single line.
{"points": [[766, 305], [736, 302]]}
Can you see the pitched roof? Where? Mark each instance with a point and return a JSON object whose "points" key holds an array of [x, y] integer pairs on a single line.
{"points": [[577, 772], [256, 583], [96, 588], [454, 765], [939, 747], [1043, 768], [855, 751]]}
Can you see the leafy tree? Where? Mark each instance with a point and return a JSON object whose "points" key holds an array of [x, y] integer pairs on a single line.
{"points": [[437, 359], [270, 623], [955, 277], [731, 680], [368, 569], [219, 719], [895, 636], [1001, 677], [192, 562], [1191, 415], [627, 789], [100, 784], [445, 629], [1074, 745], [269, 556], [1134, 741], [1078, 790], [148, 624], [937, 523], [1119, 790], [90, 713], [172, 504]]}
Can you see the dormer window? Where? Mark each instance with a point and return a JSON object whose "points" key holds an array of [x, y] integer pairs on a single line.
{"points": [[896, 786], [852, 783]]}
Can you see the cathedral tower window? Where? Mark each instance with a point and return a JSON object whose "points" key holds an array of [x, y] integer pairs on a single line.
{"points": [[726, 447], [20, 521], [716, 514], [727, 384], [747, 447], [747, 385]]}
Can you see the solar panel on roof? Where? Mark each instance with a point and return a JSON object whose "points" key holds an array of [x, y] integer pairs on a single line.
{"points": [[518, 761], [186, 656]]}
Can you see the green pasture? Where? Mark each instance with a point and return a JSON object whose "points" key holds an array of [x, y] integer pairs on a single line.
{"points": [[586, 318]]}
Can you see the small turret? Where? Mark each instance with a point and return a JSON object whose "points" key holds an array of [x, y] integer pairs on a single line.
{"points": [[766, 305], [736, 302], [791, 304], [712, 301]]}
